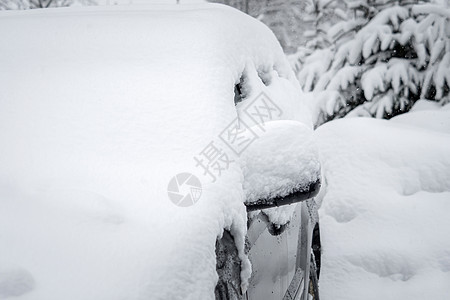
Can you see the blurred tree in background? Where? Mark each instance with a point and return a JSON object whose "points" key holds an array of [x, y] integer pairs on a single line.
{"points": [[362, 57], [381, 58], [288, 19]]}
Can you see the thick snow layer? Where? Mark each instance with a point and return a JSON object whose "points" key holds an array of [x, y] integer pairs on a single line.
{"points": [[427, 114], [293, 163], [282, 161], [425, 105], [384, 217], [100, 108]]}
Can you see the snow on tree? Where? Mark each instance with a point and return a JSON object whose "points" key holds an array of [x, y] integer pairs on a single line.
{"points": [[288, 20], [319, 17], [383, 59]]}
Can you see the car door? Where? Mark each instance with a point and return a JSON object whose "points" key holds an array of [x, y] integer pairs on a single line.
{"points": [[273, 252]]}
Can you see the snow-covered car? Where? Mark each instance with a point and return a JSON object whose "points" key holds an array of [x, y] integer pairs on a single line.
{"points": [[153, 152]]}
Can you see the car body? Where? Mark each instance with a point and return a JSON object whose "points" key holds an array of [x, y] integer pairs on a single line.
{"points": [[103, 109]]}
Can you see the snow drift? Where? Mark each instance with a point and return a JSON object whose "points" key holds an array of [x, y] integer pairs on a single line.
{"points": [[100, 108], [384, 217]]}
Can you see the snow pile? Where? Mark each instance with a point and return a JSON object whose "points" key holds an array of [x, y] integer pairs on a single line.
{"points": [[427, 114], [101, 108], [282, 161], [384, 217]]}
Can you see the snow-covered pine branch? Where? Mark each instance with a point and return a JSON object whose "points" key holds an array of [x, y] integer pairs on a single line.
{"points": [[381, 60]]}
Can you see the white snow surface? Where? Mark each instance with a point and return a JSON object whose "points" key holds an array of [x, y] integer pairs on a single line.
{"points": [[384, 217], [293, 163], [283, 160], [100, 108], [427, 115]]}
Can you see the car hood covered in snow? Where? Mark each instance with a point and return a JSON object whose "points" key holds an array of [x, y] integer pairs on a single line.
{"points": [[100, 108]]}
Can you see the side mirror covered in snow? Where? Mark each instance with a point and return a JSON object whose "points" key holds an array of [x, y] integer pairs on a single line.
{"points": [[297, 196], [281, 166]]}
